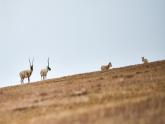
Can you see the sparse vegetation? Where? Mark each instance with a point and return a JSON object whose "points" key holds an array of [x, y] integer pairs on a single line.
{"points": [[125, 95]]}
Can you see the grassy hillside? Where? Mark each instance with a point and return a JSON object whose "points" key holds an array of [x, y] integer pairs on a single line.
{"points": [[130, 95]]}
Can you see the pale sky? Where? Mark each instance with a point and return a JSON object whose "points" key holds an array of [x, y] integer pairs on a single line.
{"points": [[78, 35]]}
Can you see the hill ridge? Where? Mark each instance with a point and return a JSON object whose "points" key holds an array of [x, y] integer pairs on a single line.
{"points": [[130, 94], [90, 73]]}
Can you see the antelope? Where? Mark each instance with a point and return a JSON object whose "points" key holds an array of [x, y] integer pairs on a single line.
{"points": [[44, 71], [144, 60], [26, 73], [106, 67]]}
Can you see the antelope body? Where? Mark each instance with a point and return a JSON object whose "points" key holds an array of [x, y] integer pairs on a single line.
{"points": [[26, 73], [106, 67], [44, 71], [144, 60]]}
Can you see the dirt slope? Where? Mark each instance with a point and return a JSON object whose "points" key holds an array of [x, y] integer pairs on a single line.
{"points": [[130, 95]]}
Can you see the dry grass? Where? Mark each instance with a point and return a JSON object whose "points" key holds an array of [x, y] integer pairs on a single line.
{"points": [[130, 95]]}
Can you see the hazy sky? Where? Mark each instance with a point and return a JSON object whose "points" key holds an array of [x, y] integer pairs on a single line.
{"points": [[78, 35]]}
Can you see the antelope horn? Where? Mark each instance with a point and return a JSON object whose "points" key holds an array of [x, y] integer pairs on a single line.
{"points": [[48, 62]]}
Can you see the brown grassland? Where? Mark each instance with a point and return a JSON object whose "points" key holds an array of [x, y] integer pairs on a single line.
{"points": [[127, 95]]}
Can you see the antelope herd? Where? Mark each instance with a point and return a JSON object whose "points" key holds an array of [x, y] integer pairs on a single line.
{"points": [[43, 73], [27, 73]]}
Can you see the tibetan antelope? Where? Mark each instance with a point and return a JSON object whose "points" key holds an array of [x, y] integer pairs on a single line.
{"points": [[106, 67], [26, 73], [144, 60], [44, 71]]}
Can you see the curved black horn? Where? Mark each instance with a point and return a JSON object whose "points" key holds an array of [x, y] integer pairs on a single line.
{"points": [[29, 62], [48, 62]]}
